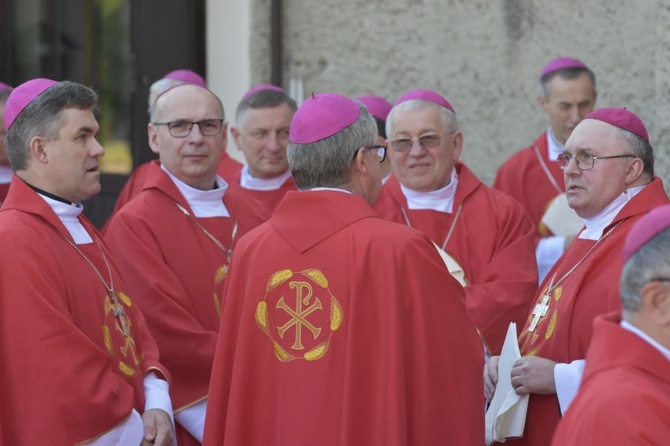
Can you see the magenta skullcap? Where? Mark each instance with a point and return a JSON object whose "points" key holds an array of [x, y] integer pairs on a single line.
{"points": [[4, 86], [321, 116], [23, 95], [262, 87], [187, 76], [425, 95], [622, 118], [377, 106], [645, 229], [562, 63]]}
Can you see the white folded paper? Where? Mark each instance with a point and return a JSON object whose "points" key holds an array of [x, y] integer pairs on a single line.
{"points": [[452, 265], [506, 416], [561, 219]]}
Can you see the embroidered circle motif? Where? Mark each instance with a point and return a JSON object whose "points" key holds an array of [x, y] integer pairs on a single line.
{"points": [[292, 315]]}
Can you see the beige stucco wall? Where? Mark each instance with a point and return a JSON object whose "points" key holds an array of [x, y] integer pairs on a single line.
{"points": [[483, 55]]}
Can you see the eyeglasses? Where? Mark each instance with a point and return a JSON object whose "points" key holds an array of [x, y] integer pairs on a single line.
{"points": [[585, 161], [381, 151], [181, 128], [429, 141]]}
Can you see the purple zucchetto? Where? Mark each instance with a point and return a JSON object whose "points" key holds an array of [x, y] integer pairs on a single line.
{"points": [[622, 118], [562, 63], [321, 116], [377, 106], [187, 76], [645, 229], [23, 95], [4, 86], [425, 95], [261, 87]]}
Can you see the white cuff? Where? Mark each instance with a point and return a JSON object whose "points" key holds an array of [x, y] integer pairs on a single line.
{"points": [[130, 431], [568, 377], [193, 419], [547, 252], [157, 394]]}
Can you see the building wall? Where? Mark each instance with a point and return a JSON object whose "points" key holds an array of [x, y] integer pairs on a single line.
{"points": [[483, 55]]}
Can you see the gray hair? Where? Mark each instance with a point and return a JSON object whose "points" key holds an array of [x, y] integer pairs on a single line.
{"points": [[159, 87], [263, 99], [651, 261], [155, 108], [449, 119], [327, 162], [566, 73], [42, 117], [639, 147]]}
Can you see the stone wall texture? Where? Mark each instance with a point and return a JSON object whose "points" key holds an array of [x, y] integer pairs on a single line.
{"points": [[483, 55]]}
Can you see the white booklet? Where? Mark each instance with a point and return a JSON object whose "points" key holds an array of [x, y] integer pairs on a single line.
{"points": [[506, 416]]}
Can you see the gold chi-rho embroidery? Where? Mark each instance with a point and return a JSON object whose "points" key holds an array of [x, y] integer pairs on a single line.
{"points": [[299, 300]]}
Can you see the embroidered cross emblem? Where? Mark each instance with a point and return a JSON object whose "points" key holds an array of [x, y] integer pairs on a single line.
{"points": [[299, 315], [540, 311]]}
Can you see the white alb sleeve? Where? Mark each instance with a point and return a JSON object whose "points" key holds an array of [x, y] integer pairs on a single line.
{"points": [[547, 252], [568, 377], [193, 419], [130, 431]]}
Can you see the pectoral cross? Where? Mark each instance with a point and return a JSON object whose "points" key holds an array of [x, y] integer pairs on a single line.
{"points": [[539, 311], [120, 314]]}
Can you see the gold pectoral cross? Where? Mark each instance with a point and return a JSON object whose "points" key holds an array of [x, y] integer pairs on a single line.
{"points": [[120, 314], [540, 311]]}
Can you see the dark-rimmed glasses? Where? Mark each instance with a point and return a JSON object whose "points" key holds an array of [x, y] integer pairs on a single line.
{"points": [[182, 128], [428, 141], [585, 161], [381, 151]]}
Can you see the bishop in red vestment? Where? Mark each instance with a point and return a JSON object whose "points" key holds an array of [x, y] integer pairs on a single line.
{"points": [[332, 332], [532, 175], [487, 233], [263, 118], [611, 194], [624, 397], [78, 361], [173, 242]]}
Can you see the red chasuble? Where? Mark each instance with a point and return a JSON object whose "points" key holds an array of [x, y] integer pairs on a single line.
{"points": [[270, 198], [564, 333], [173, 268], [625, 393], [69, 372], [331, 335], [492, 239], [4, 189], [523, 178], [228, 167]]}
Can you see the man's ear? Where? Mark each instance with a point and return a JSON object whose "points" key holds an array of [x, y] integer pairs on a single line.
{"points": [[542, 102], [152, 133], [634, 169], [358, 164], [655, 297], [458, 144], [37, 147]]}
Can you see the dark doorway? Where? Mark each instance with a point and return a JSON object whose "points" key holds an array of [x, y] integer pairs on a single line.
{"points": [[118, 47]]}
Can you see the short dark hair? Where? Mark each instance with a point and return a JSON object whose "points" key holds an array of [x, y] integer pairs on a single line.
{"points": [[263, 99], [566, 73], [42, 117]]}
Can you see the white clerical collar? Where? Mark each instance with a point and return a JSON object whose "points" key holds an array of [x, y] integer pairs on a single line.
{"points": [[653, 342], [597, 224], [441, 200], [554, 147], [5, 174], [67, 214], [263, 184], [334, 189], [204, 203]]}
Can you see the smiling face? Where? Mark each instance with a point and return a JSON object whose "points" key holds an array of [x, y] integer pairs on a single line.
{"points": [[419, 168], [195, 158], [71, 170], [590, 191]]}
